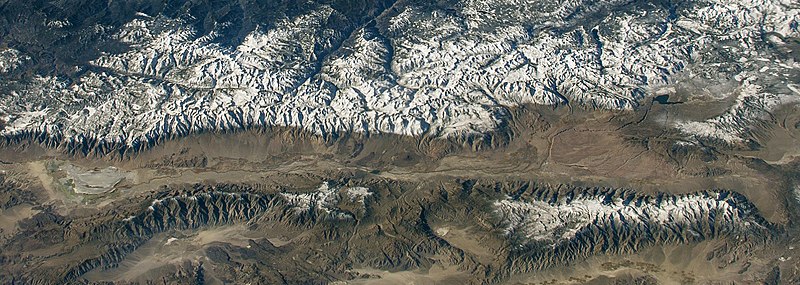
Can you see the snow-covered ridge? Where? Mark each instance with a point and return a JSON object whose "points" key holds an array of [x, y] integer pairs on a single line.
{"points": [[752, 106], [10, 60], [325, 200], [419, 71], [569, 219]]}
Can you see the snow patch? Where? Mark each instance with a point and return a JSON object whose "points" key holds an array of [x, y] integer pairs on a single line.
{"points": [[358, 193]]}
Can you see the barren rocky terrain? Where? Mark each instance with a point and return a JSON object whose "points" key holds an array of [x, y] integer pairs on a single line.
{"points": [[619, 205], [399, 142]]}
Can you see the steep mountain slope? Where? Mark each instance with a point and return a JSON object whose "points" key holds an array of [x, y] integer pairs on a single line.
{"points": [[371, 224], [397, 141], [137, 73]]}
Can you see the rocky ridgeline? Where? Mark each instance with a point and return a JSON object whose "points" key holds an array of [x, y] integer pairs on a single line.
{"points": [[387, 225], [213, 206], [417, 68], [94, 147], [210, 209], [552, 226], [12, 194]]}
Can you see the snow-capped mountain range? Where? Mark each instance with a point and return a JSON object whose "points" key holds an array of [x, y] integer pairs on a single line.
{"points": [[404, 68], [564, 220]]}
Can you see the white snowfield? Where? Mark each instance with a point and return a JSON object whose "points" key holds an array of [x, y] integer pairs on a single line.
{"points": [[11, 59], [563, 221], [417, 72], [326, 199]]}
